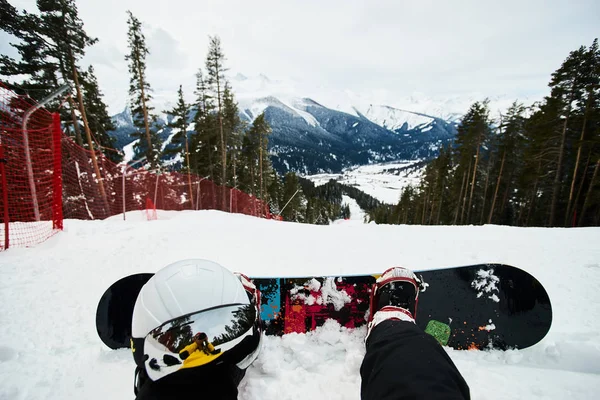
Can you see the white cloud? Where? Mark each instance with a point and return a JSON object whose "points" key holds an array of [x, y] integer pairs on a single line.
{"points": [[390, 47]]}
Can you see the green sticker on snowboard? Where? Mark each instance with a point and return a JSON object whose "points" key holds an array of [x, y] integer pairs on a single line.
{"points": [[439, 330]]}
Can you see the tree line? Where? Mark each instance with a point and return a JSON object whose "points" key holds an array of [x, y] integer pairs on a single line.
{"points": [[532, 166], [220, 146]]}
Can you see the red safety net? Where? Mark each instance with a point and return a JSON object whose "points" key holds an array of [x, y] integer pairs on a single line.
{"points": [[44, 174], [143, 189], [30, 171]]}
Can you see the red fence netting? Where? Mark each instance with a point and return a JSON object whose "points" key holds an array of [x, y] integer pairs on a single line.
{"points": [[30, 174], [45, 175]]}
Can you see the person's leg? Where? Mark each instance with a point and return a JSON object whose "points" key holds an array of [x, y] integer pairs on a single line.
{"points": [[403, 362]]}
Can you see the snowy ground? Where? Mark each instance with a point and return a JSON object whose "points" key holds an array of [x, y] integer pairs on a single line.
{"points": [[357, 214], [382, 181], [48, 296]]}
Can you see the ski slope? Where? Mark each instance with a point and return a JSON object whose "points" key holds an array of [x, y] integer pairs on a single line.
{"points": [[49, 348], [385, 181]]}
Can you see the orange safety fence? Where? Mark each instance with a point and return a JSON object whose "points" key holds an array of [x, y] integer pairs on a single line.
{"points": [[45, 175]]}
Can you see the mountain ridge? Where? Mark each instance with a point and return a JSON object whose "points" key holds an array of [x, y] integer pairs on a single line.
{"points": [[308, 137]]}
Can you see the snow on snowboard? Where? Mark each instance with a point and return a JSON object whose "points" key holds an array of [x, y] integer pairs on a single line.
{"points": [[471, 307]]}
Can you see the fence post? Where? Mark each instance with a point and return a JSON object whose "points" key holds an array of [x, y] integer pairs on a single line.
{"points": [[57, 212], [28, 165], [123, 191], [198, 194], [4, 197], [156, 188]]}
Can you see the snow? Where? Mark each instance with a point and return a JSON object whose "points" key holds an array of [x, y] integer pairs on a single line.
{"points": [[356, 213], [129, 152], [395, 108], [486, 283], [174, 132], [393, 118], [49, 347], [384, 181]]}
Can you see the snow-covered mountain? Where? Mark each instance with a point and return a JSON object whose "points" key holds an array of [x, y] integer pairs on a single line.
{"points": [[316, 130]]}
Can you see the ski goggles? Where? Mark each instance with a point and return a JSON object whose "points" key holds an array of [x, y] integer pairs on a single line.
{"points": [[196, 339]]}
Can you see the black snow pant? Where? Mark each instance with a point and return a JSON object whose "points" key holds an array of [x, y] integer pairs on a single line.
{"points": [[403, 362]]}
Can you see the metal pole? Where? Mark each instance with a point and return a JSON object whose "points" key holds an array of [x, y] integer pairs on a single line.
{"points": [[198, 194], [288, 202], [4, 197], [28, 114], [156, 188], [124, 173], [123, 192]]}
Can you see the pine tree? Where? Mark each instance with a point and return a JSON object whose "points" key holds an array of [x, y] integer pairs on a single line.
{"points": [[50, 46], [256, 162], [274, 190], [508, 151], [233, 129], [100, 122], [179, 145], [139, 92], [567, 83], [41, 74], [590, 77], [473, 132], [216, 82], [203, 141], [293, 199]]}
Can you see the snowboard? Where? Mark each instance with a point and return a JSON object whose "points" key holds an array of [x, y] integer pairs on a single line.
{"points": [[484, 306]]}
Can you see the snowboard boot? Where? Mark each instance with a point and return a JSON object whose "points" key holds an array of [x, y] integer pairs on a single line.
{"points": [[394, 296]]}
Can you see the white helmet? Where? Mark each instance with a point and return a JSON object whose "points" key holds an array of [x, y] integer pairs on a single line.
{"points": [[195, 290], [181, 288]]}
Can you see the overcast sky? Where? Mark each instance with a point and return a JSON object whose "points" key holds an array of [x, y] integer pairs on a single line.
{"points": [[393, 47]]}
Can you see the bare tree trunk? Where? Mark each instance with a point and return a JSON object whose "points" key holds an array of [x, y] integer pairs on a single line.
{"points": [[430, 219], [253, 189], [462, 213], [557, 176], [234, 162], [439, 213], [459, 199], [78, 138], [506, 193], [497, 187], [211, 168], [88, 134], [535, 185], [223, 148], [487, 179], [189, 171], [150, 152], [580, 190], [588, 195], [425, 200], [521, 211], [571, 192], [474, 178], [260, 163]]}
